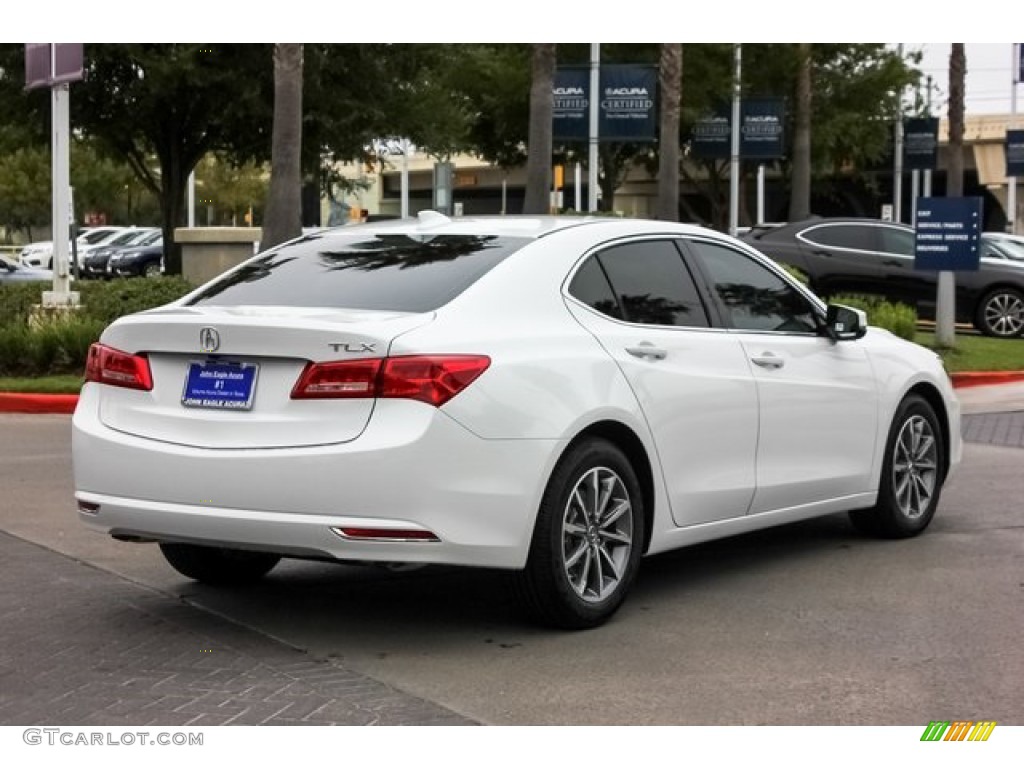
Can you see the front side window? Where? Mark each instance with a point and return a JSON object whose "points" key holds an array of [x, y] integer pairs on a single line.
{"points": [[754, 297]]}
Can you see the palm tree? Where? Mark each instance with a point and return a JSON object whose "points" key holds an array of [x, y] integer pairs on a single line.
{"points": [[539, 141], [957, 75], [284, 201], [800, 183], [670, 83], [945, 333]]}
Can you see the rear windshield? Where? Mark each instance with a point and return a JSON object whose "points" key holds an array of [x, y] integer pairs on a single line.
{"points": [[398, 272]]}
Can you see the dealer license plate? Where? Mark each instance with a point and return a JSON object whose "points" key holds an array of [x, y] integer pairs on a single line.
{"points": [[219, 384]]}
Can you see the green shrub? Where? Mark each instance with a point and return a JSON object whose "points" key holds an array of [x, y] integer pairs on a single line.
{"points": [[900, 319], [101, 300], [52, 346], [16, 301], [109, 300]]}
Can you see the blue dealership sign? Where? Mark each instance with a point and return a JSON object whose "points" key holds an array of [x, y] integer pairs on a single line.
{"points": [[947, 234], [627, 107]]}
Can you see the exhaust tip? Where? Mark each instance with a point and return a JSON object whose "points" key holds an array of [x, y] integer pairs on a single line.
{"points": [[88, 507]]}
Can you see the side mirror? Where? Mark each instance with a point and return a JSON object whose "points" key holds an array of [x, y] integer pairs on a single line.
{"points": [[845, 323]]}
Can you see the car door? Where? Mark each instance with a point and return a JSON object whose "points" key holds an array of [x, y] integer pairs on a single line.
{"points": [[903, 282], [692, 381], [817, 398]]}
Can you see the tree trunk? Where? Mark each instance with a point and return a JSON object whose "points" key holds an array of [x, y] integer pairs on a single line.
{"points": [[670, 83], [538, 159], [800, 181], [283, 220], [172, 205], [957, 76]]}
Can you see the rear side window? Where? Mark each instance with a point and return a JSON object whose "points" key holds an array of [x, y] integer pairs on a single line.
{"points": [[899, 241], [590, 285], [382, 271], [861, 238], [653, 285]]}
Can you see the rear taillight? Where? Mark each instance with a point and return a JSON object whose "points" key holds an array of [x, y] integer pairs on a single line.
{"points": [[432, 379], [107, 365], [353, 378]]}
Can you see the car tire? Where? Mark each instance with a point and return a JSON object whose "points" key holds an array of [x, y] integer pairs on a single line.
{"points": [[216, 565], [1001, 313], [913, 471], [151, 270], [587, 540]]}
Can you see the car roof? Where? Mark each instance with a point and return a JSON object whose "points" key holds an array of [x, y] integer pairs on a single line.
{"points": [[429, 223], [788, 230]]}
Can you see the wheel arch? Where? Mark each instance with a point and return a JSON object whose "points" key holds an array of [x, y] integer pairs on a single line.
{"points": [[933, 397], [626, 440]]}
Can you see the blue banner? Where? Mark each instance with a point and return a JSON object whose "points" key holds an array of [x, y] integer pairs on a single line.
{"points": [[947, 233], [762, 136], [627, 108], [763, 121], [712, 135], [1015, 153], [920, 143], [571, 115]]}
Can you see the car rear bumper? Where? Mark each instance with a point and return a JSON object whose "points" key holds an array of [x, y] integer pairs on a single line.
{"points": [[413, 468]]}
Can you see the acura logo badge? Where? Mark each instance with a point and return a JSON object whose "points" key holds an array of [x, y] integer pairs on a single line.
{"points": [[209, 339]]}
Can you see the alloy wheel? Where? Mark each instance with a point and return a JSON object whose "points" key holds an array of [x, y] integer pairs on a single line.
{"points": [[915, 467], [1004, 314], [597, 534]]}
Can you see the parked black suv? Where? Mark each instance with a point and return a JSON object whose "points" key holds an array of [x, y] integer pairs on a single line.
{"points": [[850, 255]]}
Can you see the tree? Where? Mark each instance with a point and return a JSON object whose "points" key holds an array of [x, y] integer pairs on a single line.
{"points": [[173, 103], [227, 190], [670, 83], [25, 189], [800, 180], [538, 161], [284, 205], [957, 77]]}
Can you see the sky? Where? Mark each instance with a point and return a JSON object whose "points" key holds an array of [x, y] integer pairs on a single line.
{"points": [[988, 88]]}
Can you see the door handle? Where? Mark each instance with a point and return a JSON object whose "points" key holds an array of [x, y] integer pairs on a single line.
{"points": [[768, 360], [646, 349]]}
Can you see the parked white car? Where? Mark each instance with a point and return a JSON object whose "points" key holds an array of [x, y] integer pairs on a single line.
{"points": [[40, 255], [556, 396]]}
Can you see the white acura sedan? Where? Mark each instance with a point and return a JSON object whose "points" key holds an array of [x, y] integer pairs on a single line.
{"points": [[554, 396]]}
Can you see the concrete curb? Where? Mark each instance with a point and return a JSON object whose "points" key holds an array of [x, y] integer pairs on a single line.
{"points": [[985, 378], [24, 402]]}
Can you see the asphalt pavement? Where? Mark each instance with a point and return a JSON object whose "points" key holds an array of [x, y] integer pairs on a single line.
{"points": [[81, 646]]}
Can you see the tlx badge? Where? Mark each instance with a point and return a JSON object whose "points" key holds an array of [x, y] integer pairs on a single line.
{"points": [[361, 346]]}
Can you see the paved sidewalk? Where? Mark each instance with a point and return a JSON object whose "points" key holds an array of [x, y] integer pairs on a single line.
{"points": [[80, 646], [994, 428]]}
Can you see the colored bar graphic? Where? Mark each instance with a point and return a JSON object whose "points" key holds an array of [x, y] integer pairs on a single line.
{"points": [[958, 730]]}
